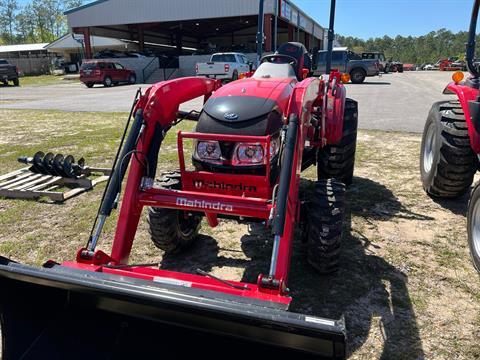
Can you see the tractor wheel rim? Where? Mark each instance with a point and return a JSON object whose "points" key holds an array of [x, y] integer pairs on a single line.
{"points": [[475, 229], [185, 225], [428, 151]]}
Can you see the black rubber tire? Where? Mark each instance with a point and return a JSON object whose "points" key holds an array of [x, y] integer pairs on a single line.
{"points": [[326, 212], [132, 79], [235, 76], [172, 230], [449, 171], [474, 234], [89, 85], [107, 81], [358, 76], [338, 161], [16, 82]]}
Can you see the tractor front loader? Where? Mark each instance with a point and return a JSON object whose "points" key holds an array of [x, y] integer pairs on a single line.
{"points": [[252, 140], [450, 148]]}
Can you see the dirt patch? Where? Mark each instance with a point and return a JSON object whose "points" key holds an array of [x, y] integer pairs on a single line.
{"points": [[406, 285]]}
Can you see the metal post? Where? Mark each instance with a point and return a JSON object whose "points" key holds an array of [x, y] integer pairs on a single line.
{"points": [[331, 36], [260, 34], [275, 27]]}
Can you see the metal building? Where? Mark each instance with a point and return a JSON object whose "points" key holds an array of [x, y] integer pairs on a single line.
{"points": [[200, 26]]}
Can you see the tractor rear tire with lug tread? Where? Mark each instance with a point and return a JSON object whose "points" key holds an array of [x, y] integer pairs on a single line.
{"points": [[172, 230], [447, 161], [473, 219], [326, 212], [338, 160]]}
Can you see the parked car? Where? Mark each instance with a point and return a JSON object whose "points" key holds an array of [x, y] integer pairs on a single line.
{"points": [[384, 64], [225, 66], [428, 67], [8, 72], [106, 73], [347, 61]]}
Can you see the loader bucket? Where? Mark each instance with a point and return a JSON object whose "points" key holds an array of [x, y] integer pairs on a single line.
{"points": [[64, 313]]}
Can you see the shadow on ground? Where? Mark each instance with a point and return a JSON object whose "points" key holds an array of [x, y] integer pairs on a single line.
{"points": [[374, 83], [371, 293], [458, 206]]}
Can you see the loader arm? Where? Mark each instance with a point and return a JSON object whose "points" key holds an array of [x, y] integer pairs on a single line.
{"points": [[159, 106]]}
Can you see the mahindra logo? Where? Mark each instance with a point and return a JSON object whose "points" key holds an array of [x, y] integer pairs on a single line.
{"points": [[212, 185], [206, 205]]}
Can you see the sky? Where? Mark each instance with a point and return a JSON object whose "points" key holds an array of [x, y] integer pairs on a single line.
{"points": [[375, 18]]}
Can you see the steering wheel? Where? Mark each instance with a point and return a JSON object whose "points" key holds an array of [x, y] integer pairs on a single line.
{"points": [[289, 59]]}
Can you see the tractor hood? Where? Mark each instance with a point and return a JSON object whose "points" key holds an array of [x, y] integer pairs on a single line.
{"points": [[249, 99]]}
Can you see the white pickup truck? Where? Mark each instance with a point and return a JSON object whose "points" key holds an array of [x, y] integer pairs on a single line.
{"points": [[224, 66]]}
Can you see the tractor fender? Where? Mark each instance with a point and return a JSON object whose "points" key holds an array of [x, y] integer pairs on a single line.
{"points": [[335, 111], [465, 95]]}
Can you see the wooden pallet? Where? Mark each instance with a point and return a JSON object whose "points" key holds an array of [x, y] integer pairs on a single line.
{"points": [[24, 184]]}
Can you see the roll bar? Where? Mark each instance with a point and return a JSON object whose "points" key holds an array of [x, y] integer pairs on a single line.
{"points": [[471, 44]]}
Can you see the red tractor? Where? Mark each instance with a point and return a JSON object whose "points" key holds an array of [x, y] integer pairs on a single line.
{"points": [[252, 140], [451, 142]]}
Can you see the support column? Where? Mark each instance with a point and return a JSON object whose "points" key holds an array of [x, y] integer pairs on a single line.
{"points": [[86, 42], [141, 37], [291, 30], [268, 32], [307, 41], [179, 43]]}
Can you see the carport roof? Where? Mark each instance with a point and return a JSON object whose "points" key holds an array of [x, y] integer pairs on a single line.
{"points": [[22, 47], [67, 42]]}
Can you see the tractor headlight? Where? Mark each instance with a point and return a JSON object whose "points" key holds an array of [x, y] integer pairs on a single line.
{"points": [[208, 151], [246, 154]]}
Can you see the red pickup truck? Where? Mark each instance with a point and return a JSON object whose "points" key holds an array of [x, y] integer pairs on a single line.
{"points": [[106, 73]]}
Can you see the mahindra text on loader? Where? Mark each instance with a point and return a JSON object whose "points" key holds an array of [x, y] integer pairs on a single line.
{"points": [[252, 140], [451, 142]]}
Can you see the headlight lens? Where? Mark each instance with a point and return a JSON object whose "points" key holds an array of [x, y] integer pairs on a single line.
{"points": [[248, 154], [208, 151]]}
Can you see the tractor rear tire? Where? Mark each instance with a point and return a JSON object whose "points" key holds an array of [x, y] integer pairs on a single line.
{"points": [[338, 160], [325, 225], [447, 161], [473, 219], [172, 230]]}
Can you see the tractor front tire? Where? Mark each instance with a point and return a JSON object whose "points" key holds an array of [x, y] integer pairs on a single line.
{"points": [[447, 161], [338, 160], [172, 230], [326, 212], [473, 220]]}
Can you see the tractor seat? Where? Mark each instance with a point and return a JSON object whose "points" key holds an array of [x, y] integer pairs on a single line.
{"points": [[272, 70]]}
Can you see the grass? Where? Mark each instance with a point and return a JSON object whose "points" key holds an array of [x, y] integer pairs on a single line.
{"points": [[42, 80], [406, 285]]}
